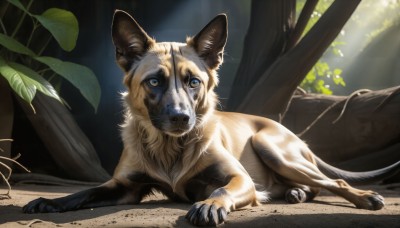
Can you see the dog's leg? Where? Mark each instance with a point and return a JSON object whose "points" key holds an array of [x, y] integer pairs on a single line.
{"points": [[238, 192], [107, 194], [296, 164], [214, 210]]}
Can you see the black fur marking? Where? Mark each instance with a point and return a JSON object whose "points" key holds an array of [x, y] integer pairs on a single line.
{"points": [[104, 195], [199, 187], [154, 98], [174, 65], [130, 77], [180, 51], [153, 184]]}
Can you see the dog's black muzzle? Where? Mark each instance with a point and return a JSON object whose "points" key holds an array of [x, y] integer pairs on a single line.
{"points": [[174, 121]]}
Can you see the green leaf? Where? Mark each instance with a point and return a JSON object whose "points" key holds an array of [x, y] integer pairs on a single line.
{"points": [[37, 80], [337, 71], [322, 68], [20, 83], [80, 76], [322, 88], [62, 24], [15, 46], [18, 4], [24, 81]]}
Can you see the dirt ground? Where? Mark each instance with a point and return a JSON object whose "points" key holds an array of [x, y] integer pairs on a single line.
{"points": [[156, 211]]}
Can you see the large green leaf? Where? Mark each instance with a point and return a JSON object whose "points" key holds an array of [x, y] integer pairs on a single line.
{"points": [[62, 24], [25, 81], [80, 76], [35, 79], [14, 45], [21, 84]]}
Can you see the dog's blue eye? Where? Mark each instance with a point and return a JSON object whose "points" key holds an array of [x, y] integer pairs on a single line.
{"points": [[194, 82], [153, 82]]}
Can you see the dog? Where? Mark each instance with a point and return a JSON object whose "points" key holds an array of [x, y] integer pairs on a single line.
{"points": [[177, 143]]}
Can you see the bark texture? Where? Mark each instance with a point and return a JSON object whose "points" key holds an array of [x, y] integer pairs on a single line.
{"points": [[67, 144], [6, 122], [349, 127]]}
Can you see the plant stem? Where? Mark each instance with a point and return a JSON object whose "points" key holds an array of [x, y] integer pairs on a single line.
{"points": [[41, 72], [1, 18], [2, 27], [51, 77], [35, 26], [45, 45], [21, 20]]}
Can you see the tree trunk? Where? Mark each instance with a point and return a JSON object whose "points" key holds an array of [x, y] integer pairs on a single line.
{"points": [[270, 25], [6, 122], [65, 141]]}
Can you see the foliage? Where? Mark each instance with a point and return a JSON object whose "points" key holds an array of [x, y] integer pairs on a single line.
{"points": [[320, 77], [371, 18], [27, 71], [315, 79]]}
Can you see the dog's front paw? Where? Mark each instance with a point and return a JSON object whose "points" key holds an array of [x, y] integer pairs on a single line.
{"points": [[371, 201], [42, 205], [206, 214]]}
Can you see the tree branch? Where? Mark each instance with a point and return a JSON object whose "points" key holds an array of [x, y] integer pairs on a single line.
{"points": [[359, 131], [270, 25], [278, 83], [301, 24]]}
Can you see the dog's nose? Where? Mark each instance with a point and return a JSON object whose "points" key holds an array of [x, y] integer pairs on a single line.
{"points": [[179, 119]]}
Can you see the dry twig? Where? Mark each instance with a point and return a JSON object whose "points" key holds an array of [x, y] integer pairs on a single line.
{"points": [[6, 178]]}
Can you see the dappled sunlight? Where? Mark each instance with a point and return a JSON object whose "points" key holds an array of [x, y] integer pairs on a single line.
{"points": [[371, 22]]}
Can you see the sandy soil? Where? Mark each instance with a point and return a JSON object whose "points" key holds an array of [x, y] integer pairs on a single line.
{"points": [[157, 211]]}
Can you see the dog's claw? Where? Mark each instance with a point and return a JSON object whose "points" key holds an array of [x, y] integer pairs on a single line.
{"points": [[377, 202], [372, 201], [203, 214]]}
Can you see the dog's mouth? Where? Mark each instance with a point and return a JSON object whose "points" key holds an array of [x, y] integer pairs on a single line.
{"points": [[177, 131], [173, 129]]}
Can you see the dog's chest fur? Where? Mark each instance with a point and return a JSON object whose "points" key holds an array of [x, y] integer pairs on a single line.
{"points": [[162, 157]]}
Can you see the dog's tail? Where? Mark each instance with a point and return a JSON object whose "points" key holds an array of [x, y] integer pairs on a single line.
{"points": [[358, 178]]}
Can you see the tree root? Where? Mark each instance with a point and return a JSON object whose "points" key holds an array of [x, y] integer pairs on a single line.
{"points": [[6, 178], [351, 96], [344, 108], [387, 99]]}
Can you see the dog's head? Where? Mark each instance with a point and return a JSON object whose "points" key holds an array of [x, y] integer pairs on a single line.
{"points": [[171, 84]]}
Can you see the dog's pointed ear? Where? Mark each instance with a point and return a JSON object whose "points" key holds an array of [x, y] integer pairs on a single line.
{"points": [[129, 39], [209, 43]]}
